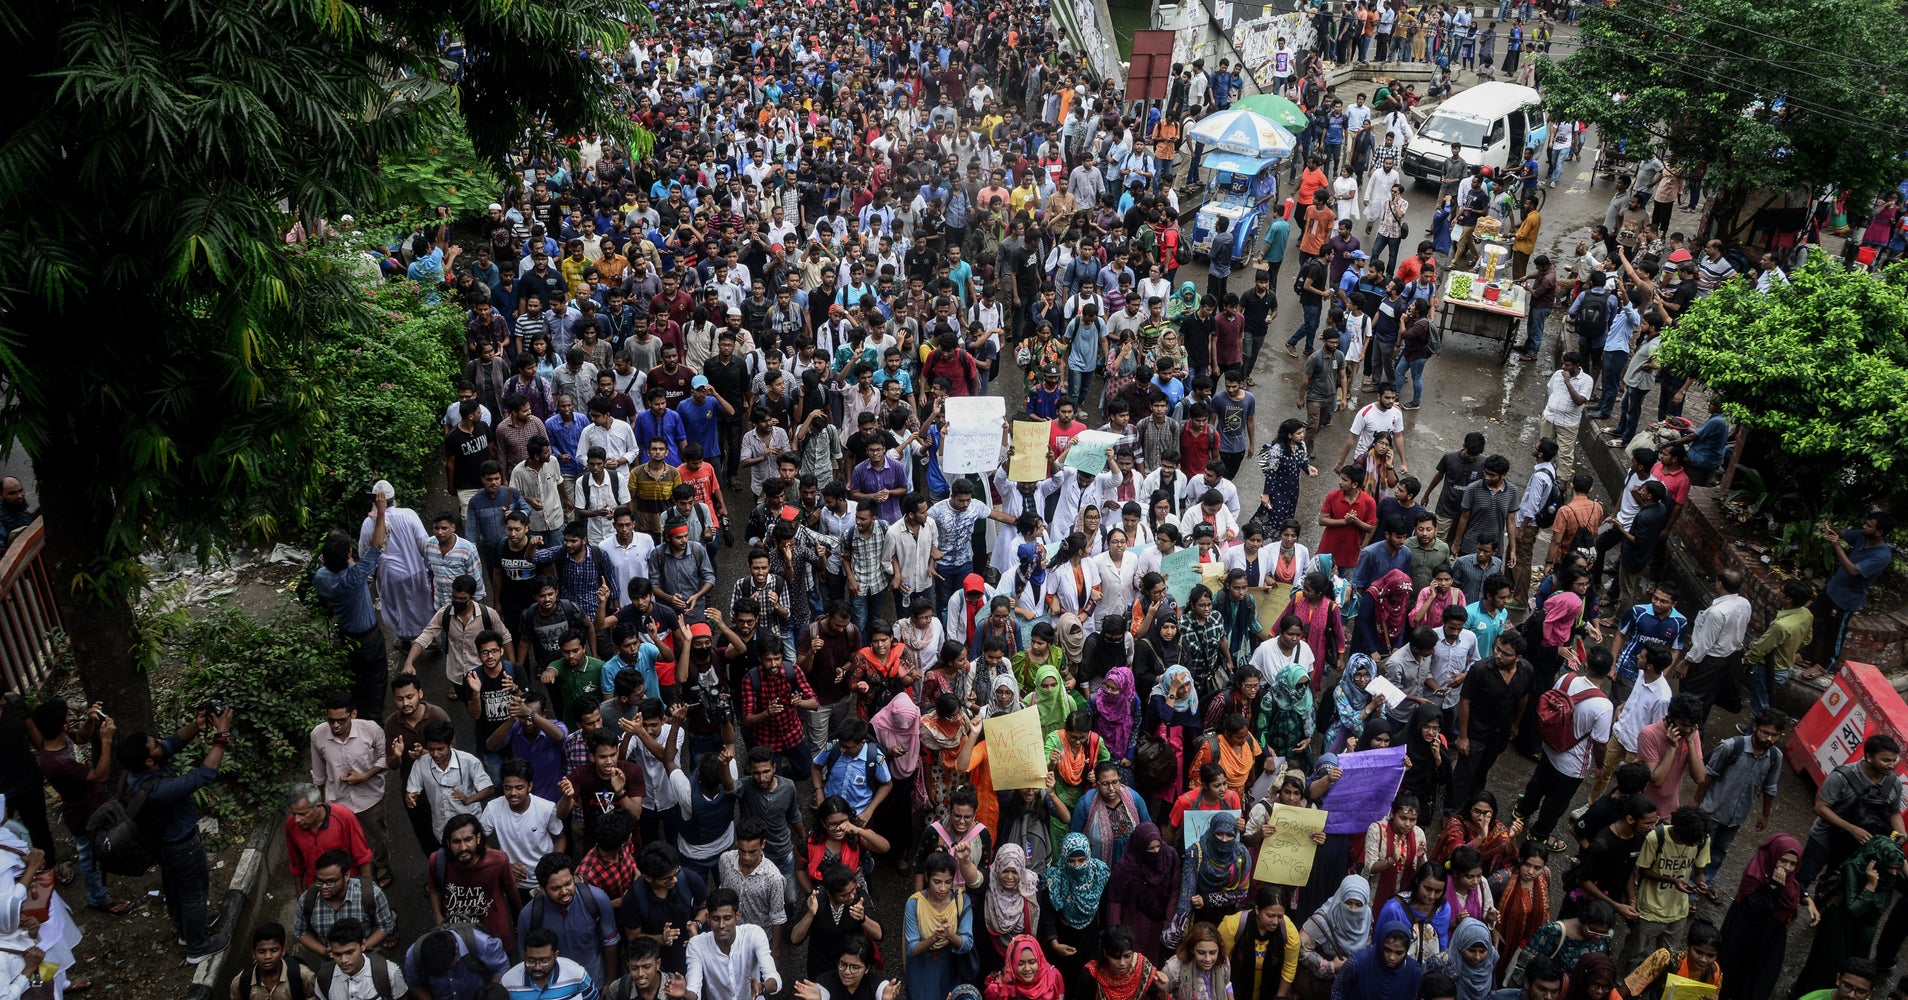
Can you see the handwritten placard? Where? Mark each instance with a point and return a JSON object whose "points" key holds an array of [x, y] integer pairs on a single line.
{"points": [[1087, 452], [1287, 852], [1181, 570], [1014, 753], [1368, 780], [972, 441], [1029, 464]]}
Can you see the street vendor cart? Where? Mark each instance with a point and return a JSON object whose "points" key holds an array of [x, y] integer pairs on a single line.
{"points": [[1484, 303]]}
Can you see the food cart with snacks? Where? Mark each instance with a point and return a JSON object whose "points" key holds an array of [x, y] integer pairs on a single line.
{"points": [[1485, 303]]}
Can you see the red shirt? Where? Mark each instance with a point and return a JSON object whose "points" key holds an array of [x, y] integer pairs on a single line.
{"points": [[482, 893], [1196, 447], [707, 484], [1342, 543], [1060, 438], [341, 831], [1676, 482]]}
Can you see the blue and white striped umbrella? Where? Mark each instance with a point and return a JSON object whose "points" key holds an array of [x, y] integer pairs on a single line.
{"points": [[1244, 132]]}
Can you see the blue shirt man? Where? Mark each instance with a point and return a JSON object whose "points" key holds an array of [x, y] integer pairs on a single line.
{"points": [[1707, 445], [640, 658], [1657, 623], [854, 770], [701, 414], [1869, 556]]}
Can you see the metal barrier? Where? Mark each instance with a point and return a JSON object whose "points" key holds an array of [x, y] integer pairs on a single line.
{"points": [[28, 613]]}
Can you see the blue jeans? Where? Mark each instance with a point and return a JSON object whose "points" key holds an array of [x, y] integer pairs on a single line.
{"points": [[1763, 682], [1613, 364], [1539, 318], [865, 605], [1720, 837], [951, 576], [493, 765], [1077, 383], [96, 894], [1416, 369], [1556, 159], [1632, 413], [1307, 330], [185, 876]]}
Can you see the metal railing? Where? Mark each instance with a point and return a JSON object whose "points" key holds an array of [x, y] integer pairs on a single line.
{"points": [[28, 613]]}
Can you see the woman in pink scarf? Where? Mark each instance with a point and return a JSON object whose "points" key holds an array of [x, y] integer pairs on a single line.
{"points": [[1116, 711], [1324, 624]]}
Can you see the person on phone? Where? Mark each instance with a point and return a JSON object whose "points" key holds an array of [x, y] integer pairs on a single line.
{"points": [[171, 816]]}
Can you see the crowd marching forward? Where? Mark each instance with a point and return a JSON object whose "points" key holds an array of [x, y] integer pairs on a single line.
{"points": [[685, 771]]}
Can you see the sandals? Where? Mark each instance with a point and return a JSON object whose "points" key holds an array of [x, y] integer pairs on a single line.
{"points": [[64, 872], [1555, 845], [113, 907]]}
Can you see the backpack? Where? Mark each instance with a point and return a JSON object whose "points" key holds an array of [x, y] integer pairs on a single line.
{"points": [[380, 977], [1434, 338], [308, 904], [120, 845], [443, 623], [1556, 717], [1593, 316], [833, 756], [1553, 501], [293, 976], [539, 905]]}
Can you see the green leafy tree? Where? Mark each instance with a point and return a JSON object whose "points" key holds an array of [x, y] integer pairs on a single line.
{"points": [[1818, 374], [156, 335], [1704, 78]]}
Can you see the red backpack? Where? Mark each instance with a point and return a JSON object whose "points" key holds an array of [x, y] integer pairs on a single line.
{"points": [[1557, 716]]}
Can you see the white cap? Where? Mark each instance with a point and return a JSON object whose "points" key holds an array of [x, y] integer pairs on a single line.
{"points": [[383, 488], [346, 218], [494, 207]]}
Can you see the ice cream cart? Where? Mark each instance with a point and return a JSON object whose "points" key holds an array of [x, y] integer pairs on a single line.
{"points": [[1244, 190]]}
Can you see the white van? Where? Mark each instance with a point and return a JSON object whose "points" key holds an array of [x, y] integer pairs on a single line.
{"points": [[1494, 122]]}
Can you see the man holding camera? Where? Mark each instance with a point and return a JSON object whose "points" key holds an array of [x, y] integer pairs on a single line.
{"points": [[171, 819]]}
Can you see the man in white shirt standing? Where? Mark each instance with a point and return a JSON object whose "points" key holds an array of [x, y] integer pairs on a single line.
{"points": [[1716, 642], [730, 960], [628, 553], [1555, 780], [1567, 393]]}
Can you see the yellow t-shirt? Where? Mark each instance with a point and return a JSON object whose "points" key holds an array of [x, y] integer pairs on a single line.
{"points": [[1288, 970]]}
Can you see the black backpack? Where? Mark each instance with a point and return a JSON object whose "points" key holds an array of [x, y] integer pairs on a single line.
{"points": [[1553, 500], [380, 977], [1593, 316], [120, 845]]}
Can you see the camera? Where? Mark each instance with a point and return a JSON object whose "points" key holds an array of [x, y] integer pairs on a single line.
{"points": [[715, 705], [213, 707]]}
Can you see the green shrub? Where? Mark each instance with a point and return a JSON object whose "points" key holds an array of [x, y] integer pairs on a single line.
{"points": [[275, 673], [385, 394]]}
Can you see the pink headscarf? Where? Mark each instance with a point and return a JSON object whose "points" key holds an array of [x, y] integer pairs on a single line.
{"points": [[1113, 714], [898, 730]]}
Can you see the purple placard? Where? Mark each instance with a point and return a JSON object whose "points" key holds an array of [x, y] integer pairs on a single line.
{"points": [[1368, 781]]}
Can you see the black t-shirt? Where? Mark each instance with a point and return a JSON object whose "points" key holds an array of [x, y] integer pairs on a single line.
{"points": [[1313, 273], [730, 380], [495, 700], [545, 632], [1599, 814], [1608, 863], [468, 451], [1257, 310], [1458, 474], [519, 571], [1493, 700]]}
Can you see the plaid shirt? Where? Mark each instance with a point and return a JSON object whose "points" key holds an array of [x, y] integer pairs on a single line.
{"points": [[612, 875], [784, 730], [869, 558], [776, 587], [576, 580], [1204, 643], [576, 750], [377, 916]]}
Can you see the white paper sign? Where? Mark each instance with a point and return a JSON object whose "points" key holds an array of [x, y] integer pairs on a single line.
{"points": [[1381, 685], [971, 442]]}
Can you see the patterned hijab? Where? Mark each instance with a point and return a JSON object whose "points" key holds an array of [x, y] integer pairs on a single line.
{"points": [[1076, 889], [1007, 908]]}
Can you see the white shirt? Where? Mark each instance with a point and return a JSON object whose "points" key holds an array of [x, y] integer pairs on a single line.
{"points": [[466, 774], [618, 442], [362, 986], [589, 493], [1591, 718], [1450, 658], [1066, 590], [1272, 657], [1174, 487], [714, 975], [1719, 629], [1559, 408], [527, 834], [1197, 486], [1223, 523], [1648, 702], [626, 563], [1119, 585], [1372, 421], [655, 776], [915, 553]]}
